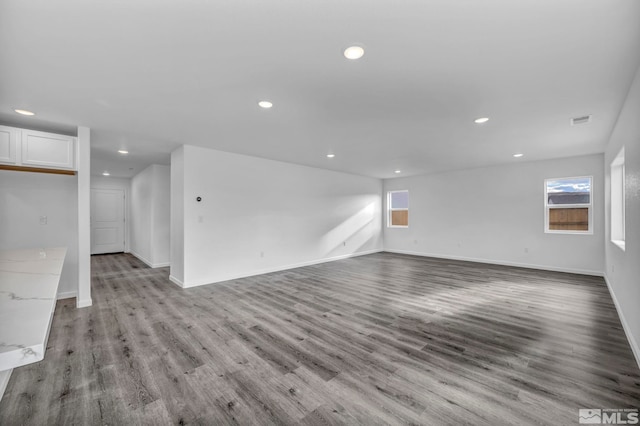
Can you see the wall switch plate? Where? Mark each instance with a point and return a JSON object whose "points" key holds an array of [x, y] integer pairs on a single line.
{"points": [[43, 220]]}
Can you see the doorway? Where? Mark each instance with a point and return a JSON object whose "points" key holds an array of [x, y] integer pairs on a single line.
{"points": [[107, 221]]}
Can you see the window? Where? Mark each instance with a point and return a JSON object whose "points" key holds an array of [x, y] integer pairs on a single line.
{"points": [[398, 204], [568, 203], [617, 200]]}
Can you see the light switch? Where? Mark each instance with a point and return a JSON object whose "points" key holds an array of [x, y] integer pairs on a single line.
{"points": [[43, 220]]}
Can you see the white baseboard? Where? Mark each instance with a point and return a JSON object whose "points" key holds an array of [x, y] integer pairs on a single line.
{"points": [[4, 381], [67, 295], [501, 262], [176, 281], [275, 269], [625, 325], [148, 262], [83, 303]]}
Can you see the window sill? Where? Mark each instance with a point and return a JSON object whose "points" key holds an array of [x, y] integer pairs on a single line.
{"points": [[619, 243], [569, 232], [397, 226]]}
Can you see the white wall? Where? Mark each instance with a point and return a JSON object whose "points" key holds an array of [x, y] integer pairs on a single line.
{"points": [[177, 216], [259, 215], [140, 223], [83, 164], [493, 214], [123, 184], [160, 250], [24, 198], [149, 215], [623, 267]]}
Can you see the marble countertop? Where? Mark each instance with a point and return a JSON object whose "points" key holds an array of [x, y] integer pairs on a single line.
{"points": [[28, 288]]}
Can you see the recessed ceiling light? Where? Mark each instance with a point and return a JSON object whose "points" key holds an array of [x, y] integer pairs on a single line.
{"points": [[106, 174], [481, 120], [123, 151], [24, 112], [353, 52], [397, 171], [330, 155], [518, 155], [265, 104]]}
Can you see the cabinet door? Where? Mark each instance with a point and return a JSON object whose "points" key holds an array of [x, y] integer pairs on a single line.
{"points": [[8, 145], [47, 150]]}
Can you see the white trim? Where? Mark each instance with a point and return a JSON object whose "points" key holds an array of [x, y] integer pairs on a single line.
{"points": [[501, 262], [625, 325], [276, 269], [148, 263], [83, 303], [4, 381], [176, 281], [566, 232], [67, 295]]}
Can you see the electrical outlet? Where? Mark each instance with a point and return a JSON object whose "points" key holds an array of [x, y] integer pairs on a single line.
{"points": [[200, 219], [344, 243], [261, 254], [526, 249], [43, 220]]}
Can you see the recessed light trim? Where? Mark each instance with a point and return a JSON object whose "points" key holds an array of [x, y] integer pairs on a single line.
{"points": [[106, 174], [330, 155], [24, 112], [265, 104], [518, 155], [123, 151], [397, 171], [354, 52], [481, 120]]}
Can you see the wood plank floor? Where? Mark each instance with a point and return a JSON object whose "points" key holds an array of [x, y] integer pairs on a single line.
{"points": [[378, 339]]}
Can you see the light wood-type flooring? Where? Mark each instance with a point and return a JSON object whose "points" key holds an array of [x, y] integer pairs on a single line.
{"points": [[377, 339]]}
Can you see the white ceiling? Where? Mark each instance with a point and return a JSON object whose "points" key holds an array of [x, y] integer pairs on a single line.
{"points": [[149, 75]]}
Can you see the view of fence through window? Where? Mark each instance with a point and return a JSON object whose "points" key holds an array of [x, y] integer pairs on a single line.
{"points": [[398, 208], [568, 204]]}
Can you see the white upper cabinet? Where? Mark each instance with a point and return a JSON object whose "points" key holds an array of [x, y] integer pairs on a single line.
{"points": [[9, 145], [30, 148], [47, 150]]}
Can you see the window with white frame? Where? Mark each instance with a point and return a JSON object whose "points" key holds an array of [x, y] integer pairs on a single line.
{"points": [[617, 200], [568, 205], [398, 206]]}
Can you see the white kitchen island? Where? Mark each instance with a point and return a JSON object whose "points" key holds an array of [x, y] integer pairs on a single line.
{"points": [[29, 281]]}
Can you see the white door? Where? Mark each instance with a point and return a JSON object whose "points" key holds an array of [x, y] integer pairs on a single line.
{"points": [[107, 221]]}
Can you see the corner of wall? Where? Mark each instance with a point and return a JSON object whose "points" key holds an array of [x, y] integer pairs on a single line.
{"points": [[83, 160]]}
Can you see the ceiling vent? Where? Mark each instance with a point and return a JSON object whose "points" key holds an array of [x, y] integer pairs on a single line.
{"points": [[581, 120]]}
